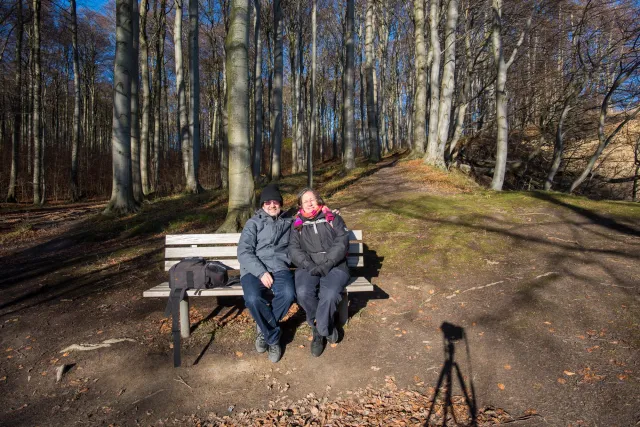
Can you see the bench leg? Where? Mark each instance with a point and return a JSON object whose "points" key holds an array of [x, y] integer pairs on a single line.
{"points": [[185, 327], [343, 309]]}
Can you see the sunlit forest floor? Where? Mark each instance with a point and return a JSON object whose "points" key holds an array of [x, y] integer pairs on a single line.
{"points": [[543, 286]]}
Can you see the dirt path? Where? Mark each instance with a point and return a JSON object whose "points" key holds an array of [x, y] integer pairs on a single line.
{"points": [[544, 300]]}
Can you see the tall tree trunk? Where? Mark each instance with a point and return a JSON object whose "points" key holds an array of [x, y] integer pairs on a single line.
{"points": [[558, 146], [431, 155], [463, 102], [295, 95], [364, 125], [241, 196], [122, 201], [502, 67], [448, 82], [17, 105], [193, 184], [334, 138], [257, 98], [276, 132], [75, 190], [146, 98], [30, 96], [157, 83], [183, 121], [312, 138], [347, 96], [135, 106], [383, 40], [37, 83], [299, 159], [224, 147], [374, 140]]}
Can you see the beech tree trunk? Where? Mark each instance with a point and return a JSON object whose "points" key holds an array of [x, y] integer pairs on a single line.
{"points": [[122, 201], [75, 132], [146, 98], [38, 198], [157, 84], [257, 98], [17, 105], [374, 139], [431, 155], [241, 196], [135, 106], [276, 132], [348, 108], [502, 67], [183, 120], [193, 184], [299, 159], [448, 82], [558, 146], [312, 138]]}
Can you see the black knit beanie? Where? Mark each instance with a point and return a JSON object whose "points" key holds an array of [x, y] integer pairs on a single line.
{"points": [[270, 192]]}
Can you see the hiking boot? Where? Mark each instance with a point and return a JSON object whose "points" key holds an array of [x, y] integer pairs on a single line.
{"points": [[275, 352], [317, 345], [261, 344], [333, 337]]}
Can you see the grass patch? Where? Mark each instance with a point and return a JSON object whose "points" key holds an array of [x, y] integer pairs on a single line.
{"points": [[21, 231]]}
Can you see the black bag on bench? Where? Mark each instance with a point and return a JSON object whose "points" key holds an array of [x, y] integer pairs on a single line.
{"points": [[190, 273]]}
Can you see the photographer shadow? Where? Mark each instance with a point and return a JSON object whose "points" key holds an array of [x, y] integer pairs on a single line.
{"points": [[451, 371]]}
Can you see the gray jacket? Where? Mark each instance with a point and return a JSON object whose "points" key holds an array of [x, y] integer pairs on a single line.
{"points": [[264, 242]]}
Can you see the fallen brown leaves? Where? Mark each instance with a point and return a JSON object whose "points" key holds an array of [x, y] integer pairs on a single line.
{"points": [[589, 376], [417, 172], [390, 406]]}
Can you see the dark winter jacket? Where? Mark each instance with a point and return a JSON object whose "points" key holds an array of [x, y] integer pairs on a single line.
{"points": [[318, 241], [263, 244]]}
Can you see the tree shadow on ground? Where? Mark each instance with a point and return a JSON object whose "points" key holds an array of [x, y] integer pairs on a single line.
{"points": [[590, 250], [593, 216], [235, 309], [122, 247]]}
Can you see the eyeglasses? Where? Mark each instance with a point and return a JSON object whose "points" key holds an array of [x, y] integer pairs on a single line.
{"points": [[271, 202]]}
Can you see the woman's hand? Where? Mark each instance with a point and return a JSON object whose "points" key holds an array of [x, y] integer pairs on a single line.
{"points": [[320, 270]]}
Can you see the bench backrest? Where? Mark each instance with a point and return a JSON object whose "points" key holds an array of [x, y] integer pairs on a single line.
{"points": [[224, 248]]}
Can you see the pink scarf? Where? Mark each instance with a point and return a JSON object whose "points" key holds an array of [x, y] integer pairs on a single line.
{"points": [[297, 224]]}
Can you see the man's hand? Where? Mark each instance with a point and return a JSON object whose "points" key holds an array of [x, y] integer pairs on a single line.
{"points": [[267, 280]]}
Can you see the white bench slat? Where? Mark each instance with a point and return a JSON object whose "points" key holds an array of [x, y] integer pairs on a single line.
{"points": [[202, 239], [225, 251], [352, 261], [356, 284], [212, 239], [203, 251]]}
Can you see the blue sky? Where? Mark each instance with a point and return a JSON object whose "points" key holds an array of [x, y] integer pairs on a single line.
{"points": [[92, 4]]}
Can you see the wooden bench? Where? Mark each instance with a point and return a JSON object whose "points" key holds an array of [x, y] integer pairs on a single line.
{"points": [[223, 248]]}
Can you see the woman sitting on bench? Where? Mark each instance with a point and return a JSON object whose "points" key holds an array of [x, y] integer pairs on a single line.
{"points": [[318, 246]]}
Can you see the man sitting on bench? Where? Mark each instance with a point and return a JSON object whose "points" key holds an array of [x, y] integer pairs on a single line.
{"points": [[264, 269]]}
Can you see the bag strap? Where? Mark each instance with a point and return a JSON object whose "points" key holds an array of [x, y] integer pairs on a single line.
{"points": [[233, 281], [176, 296]]}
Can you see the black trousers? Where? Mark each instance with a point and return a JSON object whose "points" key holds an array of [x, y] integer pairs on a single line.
{"points": [[320, 296]]}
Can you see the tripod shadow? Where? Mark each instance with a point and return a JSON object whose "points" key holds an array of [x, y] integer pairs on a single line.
{"points": [[452, 334]]}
